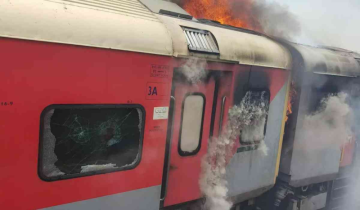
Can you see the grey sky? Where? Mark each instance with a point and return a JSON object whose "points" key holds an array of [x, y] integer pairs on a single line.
{"points": [[327, 22]]}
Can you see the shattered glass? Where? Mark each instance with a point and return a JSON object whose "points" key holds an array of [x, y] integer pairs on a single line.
{"points": [[79, 140]]}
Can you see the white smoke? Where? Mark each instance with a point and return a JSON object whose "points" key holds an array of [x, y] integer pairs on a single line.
{"points": [[194, 70], [263, 148], [329, 125], [352, 199], [276, 19], [321, 136], [250, 114], [212, 182]]}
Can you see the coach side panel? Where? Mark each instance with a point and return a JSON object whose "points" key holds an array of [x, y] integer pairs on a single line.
{"points": [[77, 97]]}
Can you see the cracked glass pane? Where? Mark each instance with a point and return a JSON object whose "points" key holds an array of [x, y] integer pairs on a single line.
{"points": [[79, 140]]}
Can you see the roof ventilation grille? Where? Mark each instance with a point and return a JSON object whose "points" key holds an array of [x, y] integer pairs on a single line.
{"points": [[201, 41]]}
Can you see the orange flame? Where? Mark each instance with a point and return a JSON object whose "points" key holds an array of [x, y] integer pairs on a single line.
{"points": [[222, 11], [290, 101]]}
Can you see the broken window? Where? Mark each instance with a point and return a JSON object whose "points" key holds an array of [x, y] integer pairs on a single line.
{"points": [[191, 124], [317, 96], [258, 106], [79, 140]]}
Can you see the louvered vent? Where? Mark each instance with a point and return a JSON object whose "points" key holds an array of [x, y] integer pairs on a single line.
{"points": [[201, 41]]}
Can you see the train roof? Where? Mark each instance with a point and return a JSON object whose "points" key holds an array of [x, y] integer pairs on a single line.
{"points": [[327, 60], [132, 25]]}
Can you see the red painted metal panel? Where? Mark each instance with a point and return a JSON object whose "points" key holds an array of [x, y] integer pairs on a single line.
{"points": [[184, 171], [34, 75], [347, 153], [278, 79], [183, 181]]}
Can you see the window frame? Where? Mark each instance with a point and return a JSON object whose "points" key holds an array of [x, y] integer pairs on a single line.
{"points": [[253, 145], [181, 152], [87, 106]]}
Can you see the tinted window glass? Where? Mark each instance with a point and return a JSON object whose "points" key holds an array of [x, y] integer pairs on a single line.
{"points": [[82, 140], [191, 125]]}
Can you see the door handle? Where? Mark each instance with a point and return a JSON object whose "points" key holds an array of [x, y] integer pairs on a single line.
{"points": [[222, 114]]}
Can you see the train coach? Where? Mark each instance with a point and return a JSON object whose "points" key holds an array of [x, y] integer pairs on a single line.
{"points": [[110, 105], [317, 162]]}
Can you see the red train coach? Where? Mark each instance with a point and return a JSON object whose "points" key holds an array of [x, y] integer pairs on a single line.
{"points": [[97, 111]]}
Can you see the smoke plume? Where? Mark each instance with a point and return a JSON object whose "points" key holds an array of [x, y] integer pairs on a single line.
{"points": [[332, 126], [329, 125], [268, 17], [276, 20], [352, 201], [246, 118], [212, 182], [194, 70]]}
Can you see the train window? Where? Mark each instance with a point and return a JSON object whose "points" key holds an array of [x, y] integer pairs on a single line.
{"points": [[259, 102], [191, 124], [81, 140]]}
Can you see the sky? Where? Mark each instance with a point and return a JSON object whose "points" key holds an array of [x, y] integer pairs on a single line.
{"points": [[327, 22]]}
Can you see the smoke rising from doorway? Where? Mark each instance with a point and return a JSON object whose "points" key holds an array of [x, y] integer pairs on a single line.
{"points": [[212, 181], [194, 70]]}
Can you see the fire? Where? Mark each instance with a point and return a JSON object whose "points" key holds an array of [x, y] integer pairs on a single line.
{"points": [[290, 101], [228, 12]]}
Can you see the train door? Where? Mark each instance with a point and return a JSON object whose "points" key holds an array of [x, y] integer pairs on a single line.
{"points": [[192, 105], [223, 102]]}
